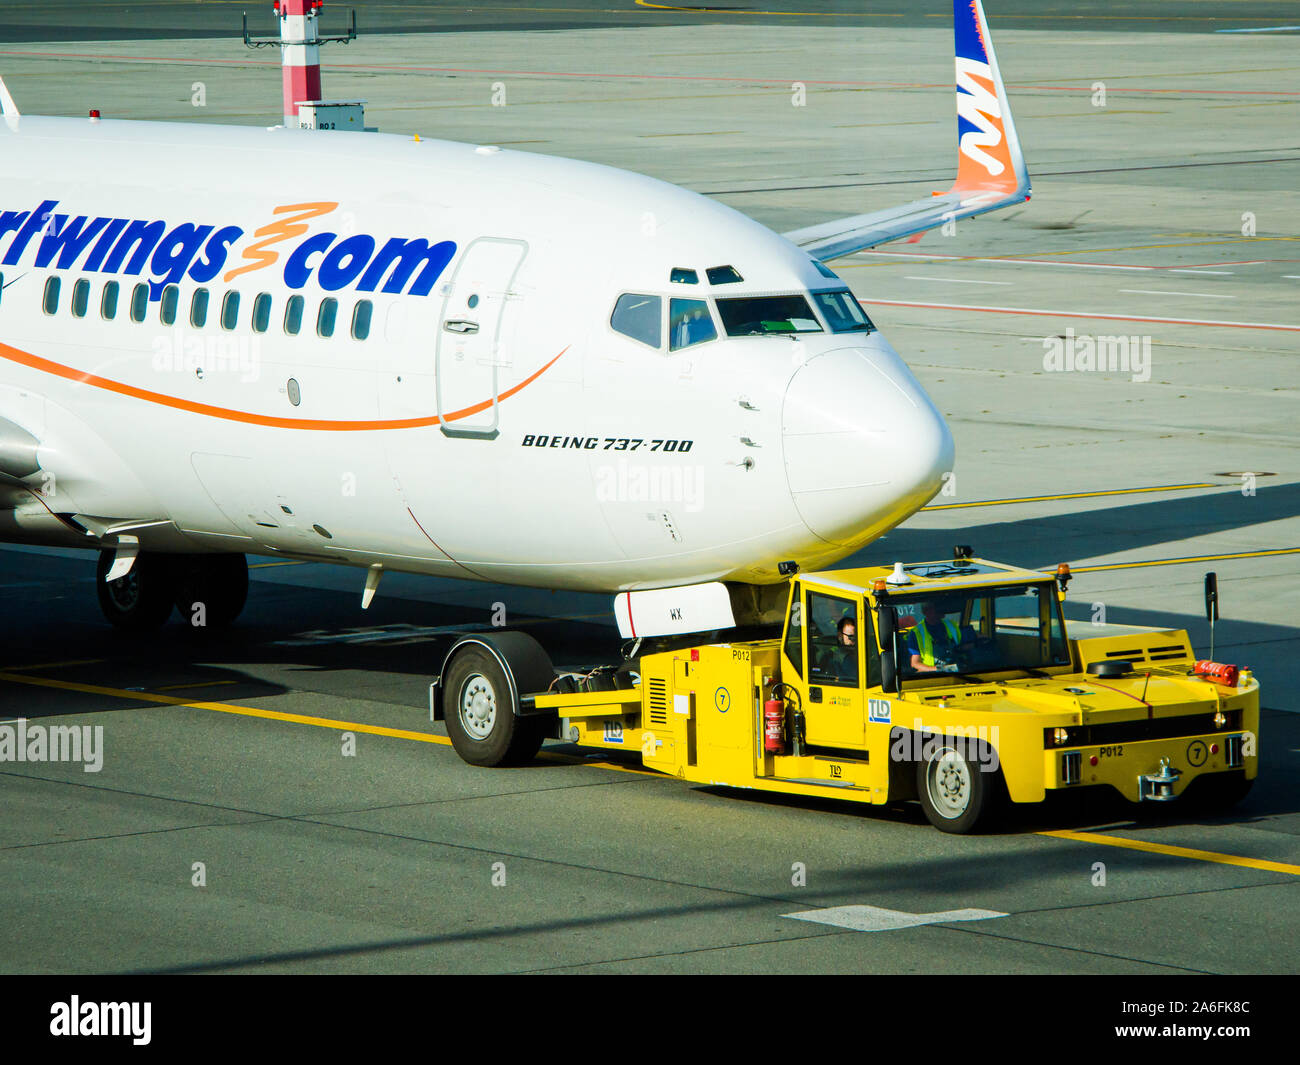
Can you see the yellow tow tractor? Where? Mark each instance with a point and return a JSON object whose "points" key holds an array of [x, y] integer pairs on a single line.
{"points": [[954, 683]]}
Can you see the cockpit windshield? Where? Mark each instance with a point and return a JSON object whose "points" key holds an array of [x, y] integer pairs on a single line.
{"points": [[759, 315], [981, 630], [842, 312]]}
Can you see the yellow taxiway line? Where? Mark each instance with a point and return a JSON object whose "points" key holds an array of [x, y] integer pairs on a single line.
{"points": [[1177, 852], [423, 737], [1076, 495]]}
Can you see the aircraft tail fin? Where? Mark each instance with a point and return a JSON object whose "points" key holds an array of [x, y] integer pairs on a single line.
{"points": [[7, 106], [991, 170]]}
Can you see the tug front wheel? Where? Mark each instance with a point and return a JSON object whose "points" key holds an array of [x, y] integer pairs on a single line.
{"points": [[956, 794], [480, 717]]}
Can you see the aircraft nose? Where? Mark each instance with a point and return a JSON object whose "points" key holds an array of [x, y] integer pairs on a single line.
{"points": [[864, 446]]}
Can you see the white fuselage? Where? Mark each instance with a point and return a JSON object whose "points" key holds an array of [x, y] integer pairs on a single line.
{"points": [[494, 426]]}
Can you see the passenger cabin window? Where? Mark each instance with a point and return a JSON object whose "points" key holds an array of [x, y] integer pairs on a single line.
{"points": [[199, 308], [2, 286], [842, 312], [293, 315], [361, 315], [262, 312], [723, 275], [832, 640], [760, 315], [325, 317], [139, 302], [689, 322], [639, 317], [108, 302], [230, 311], [80, 298], [51, 300], [167, 306], [682, 276]]}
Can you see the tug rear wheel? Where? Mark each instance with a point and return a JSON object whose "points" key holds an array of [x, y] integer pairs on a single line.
{"points": [[479, 714]]}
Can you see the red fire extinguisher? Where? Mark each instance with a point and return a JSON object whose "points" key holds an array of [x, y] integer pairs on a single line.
{"points": [[774, 726], [1217, 672]]}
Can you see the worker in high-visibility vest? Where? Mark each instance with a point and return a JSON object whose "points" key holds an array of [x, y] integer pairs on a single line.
{"points": [[934, 639]]}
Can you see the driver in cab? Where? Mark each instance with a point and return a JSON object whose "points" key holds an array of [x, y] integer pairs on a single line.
{"points": [[933, 641]]}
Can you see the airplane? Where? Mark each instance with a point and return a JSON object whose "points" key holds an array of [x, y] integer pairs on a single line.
{"points": [[397, 353]]}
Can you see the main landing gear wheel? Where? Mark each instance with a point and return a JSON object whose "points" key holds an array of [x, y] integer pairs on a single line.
{"points": [[210, 590], [141, 600], [956, 795], [480, 718]]}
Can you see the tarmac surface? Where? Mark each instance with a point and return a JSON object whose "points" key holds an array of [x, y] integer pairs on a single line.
{"points": [[1167, 210]]}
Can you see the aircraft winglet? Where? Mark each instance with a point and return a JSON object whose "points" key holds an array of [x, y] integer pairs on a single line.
{"points": [[991, 169], [7, 106]]}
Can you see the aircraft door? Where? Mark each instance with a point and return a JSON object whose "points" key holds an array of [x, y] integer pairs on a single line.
{"points": [[475, 336]]}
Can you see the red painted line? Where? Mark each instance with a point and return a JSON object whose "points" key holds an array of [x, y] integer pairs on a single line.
{"points": [[161, 399], [775, 80], [1083, 314]]}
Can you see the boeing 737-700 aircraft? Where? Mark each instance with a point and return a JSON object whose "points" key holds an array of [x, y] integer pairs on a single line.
{"points": [[447, 359]]}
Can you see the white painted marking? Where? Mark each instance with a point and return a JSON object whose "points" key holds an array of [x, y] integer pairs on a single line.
{"points": [[956, 280], [1263, 29], [1292, 277], [932, 257], [1189, 270], [1166, 292], [876, 919], [1080, 314]]}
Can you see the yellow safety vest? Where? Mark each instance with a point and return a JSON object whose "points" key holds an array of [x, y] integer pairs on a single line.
{"points": [[925, 642]]}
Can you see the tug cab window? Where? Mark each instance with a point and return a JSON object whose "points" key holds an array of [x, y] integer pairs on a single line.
{"points": [[689, 323], [842, 312], [759, 315], [832, 640], [639, 317]]}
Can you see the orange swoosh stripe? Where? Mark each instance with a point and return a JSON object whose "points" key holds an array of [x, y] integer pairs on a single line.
{"points": [[26, 358]]}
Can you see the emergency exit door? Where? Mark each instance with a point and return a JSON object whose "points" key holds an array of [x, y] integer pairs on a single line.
{"points": [[475, 337]]}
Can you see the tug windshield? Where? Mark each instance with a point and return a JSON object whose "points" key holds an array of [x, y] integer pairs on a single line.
{"points": [[981, 630]]}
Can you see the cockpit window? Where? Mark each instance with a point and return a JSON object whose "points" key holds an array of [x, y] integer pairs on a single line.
{"points": [[689, 322], [842, 312], [680, 275], [723, 275], [639, 317], [825, 270], [757, 315]]}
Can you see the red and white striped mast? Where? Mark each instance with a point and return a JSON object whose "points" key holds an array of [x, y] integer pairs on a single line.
{"points": [[299, 43]]}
